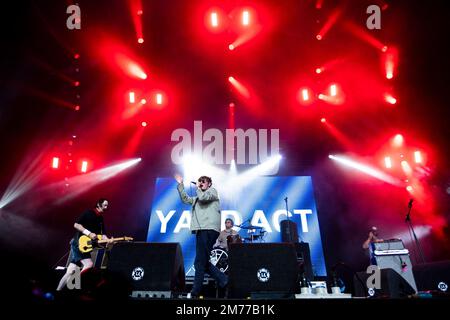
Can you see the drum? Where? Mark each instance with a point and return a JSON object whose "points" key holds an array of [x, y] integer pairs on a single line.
{"points": [[219, 258]]}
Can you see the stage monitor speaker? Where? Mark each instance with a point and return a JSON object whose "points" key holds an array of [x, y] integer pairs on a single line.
{"points": [[304, 259], [257, 269], [433, 276], [289, 231], [392, 285], [148, 267]]}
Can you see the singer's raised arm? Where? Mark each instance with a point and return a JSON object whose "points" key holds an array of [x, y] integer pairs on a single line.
{"points": [[183, 195]]}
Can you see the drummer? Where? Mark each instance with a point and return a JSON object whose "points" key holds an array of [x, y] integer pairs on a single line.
{"points": [[221, 241]]}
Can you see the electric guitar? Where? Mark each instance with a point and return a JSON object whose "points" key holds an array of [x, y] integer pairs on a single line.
{"points": [[86, 244]]}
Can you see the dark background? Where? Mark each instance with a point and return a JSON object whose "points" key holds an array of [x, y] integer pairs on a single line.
{"points": [[193, 65]]}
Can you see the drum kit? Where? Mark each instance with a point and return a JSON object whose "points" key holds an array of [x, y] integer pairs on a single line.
{"points": [[219, 256]]}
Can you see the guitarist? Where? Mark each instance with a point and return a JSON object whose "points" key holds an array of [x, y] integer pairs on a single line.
{"points": [[90, 223]]}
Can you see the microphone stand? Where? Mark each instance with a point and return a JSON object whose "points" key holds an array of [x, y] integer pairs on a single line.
{"points": [[288, 222], [410, 226]]}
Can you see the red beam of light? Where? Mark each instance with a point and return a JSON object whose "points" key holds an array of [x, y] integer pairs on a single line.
{"points": [[365, 36], [134, 141], [55, 163], [53, 100], [245, 36], [329, 23], [84, 182], [130, 67], [239, 87], [390, 59], [136, 16], [231, 115], [339, 136], [390, 99], [368, 170]]}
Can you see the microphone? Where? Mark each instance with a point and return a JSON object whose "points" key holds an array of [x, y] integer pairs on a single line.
{"points": [[285, 199]]}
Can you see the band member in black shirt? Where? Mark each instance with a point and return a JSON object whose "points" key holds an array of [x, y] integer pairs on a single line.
{"points": [[90, 223]]}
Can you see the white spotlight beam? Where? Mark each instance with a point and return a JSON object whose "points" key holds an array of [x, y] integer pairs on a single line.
{"points": [[371, 171]]}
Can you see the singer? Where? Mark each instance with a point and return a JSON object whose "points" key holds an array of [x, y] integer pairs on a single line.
{"points": [[205, 224], [368, 244]]}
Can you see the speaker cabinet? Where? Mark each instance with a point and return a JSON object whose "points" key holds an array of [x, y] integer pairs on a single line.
{"points": [[392, 285], [262, 268], [304, 259], [289, 231], [145, 267], [433, 276]]}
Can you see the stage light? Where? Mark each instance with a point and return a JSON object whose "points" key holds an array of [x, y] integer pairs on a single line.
{"points": [[76, 56], [398, 141], [384, 49], [143, 101], [319, 70], [409, 189], [84, 166], [388, 162], [319, 37], [231, 105], [305, 94], [245, 18], [139, 12], [55, 163], [159, 98], [214, 20], [76, 83], [143, 123], [77, 108], [333, 90], [241, 88], [231, 79], [141, 40], [417, 156], [132, 97], [323, 120], [231, 47], [390, 99]]}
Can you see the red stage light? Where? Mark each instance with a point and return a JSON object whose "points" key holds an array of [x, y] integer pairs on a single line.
{"points": [[141, 40], [214, 20], [305, 94], [231, 79], [231, 105], [143, 123], [77, 108], [390, 99], [245, 18], [384, 49], [143, 101], [333, 90], [76, 56], [319, 70], [398, 141], [319, 37], [132, 97], [76, 83], [84, 166], [323, 120], [159, 98], [409, 189], [388, 162], [231, 47], [139, 12], [418, 157], [55, 163]]}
